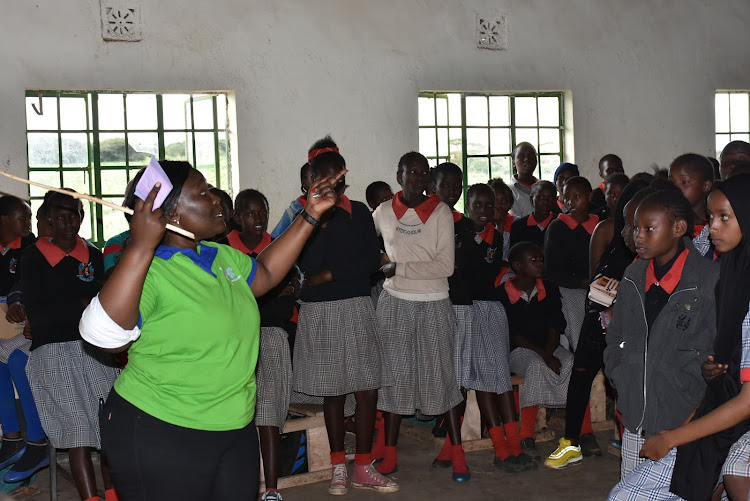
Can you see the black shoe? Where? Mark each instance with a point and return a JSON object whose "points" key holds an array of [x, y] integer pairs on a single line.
{"points": [[528, 446], [508, 465], [34, 459], [442, 463], [589, 445], [526, 462], [11, 451]]}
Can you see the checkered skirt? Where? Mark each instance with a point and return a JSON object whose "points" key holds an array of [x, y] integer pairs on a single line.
{"points": [[574, 309], [738, 460], [542, 386], [649, 481], [375, 291], [337, 350], [8, 346], [481, 348], [273, 378], [67, 381], [419, 346]]}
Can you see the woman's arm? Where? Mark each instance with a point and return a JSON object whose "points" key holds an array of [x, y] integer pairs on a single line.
{"points": [[600, 239]]}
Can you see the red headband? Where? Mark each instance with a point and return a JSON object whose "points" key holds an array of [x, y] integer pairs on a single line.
{"points": [[320, 151]]}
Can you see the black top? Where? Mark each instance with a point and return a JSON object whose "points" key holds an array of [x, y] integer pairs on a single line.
{"points": [[603, 212], [9, 264], [598, 200], [348, 247], [656, 297], [534, 319], [520, 231], [477, 264], [566, 254], [55, 297]]}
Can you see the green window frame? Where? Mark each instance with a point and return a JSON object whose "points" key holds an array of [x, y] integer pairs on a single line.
{"points": [[478, 131], [96, 141], [732, 115]]}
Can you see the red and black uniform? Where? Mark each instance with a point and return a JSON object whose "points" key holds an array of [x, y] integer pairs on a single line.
{"points": [[528, 229], [566, 250], [10, 255]]}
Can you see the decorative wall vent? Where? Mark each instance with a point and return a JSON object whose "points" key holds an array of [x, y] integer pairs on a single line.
{"points": [[121, 21], [492, 32]]}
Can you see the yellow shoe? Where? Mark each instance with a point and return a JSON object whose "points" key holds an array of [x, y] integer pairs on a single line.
{"points": [[565, 454]]}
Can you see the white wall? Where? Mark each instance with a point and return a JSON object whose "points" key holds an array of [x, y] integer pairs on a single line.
{"points": [[642, 73]]}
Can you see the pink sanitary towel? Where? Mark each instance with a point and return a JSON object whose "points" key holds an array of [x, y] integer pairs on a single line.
{"points": [[152, 175]]}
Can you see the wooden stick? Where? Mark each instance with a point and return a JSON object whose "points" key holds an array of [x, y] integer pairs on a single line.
{"points": [[90, 198]]}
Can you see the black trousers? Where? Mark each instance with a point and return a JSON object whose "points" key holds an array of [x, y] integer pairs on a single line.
{"points": [[586, 364], [153, 460]]}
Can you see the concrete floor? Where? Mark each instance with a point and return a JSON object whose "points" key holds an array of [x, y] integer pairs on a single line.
{"points": [[589, 480]]}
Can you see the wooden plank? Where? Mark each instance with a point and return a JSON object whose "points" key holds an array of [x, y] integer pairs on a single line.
{"points": [[598, 399], [472, 425], [318, 450], [307, 409], [603, 425], [304, 424]]}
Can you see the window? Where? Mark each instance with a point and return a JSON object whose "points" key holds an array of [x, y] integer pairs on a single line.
{"points": [[478, 131], [732, 118], [95, 142]]}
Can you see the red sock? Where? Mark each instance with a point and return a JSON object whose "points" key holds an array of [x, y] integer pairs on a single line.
{"points": [[338, 457], [362, 459], [446, 453], [514, 439], [379, 447], [528, 420], [502, 447], [459, 459], [111, 495], [586, 425], [390, 459]]}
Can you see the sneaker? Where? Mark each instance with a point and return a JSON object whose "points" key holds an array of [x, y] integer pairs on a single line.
{"points": [[565, 454], [589, 445], [271, 496], [367, 477], [338, 480], [508, 465], [526, 462], [528, 446]]}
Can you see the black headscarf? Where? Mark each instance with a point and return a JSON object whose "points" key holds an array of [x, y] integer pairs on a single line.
{"points": [[699, 463]]}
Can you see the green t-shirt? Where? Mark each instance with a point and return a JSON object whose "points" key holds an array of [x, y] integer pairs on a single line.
{"points": [[194, 363]]}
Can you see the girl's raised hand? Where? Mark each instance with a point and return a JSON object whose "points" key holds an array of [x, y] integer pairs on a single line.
{"points": [[147, 226], [322, 195]]}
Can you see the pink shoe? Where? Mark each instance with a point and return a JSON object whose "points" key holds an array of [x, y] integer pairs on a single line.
{"points": [[367, 477], [339, 480]]}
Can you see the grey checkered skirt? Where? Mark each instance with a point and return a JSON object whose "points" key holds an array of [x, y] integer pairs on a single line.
{"points": [[8, 346], [337, 350], [375, 291], [419, 344], [738, 460], [67, 381], [273, 378], [542, 386], [480, 358], [574, 309]]}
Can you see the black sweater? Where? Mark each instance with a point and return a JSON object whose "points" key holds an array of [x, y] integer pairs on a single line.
{"points": [[520, 231], [533, 320], [477, 264], [566, 254], [9, 265], [348, 247]]}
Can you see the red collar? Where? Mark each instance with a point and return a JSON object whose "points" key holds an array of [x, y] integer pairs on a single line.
{"points": [[528, 185], [499, 278], [671, 279], [560, 205], [344, 203], [506, 224], [15, 244], [697, 228], [603, 187], [54, 254], [488, 234], [457, 216], [588, 225], [532, 221], [423, 210], [514, 293], [236, 243]]}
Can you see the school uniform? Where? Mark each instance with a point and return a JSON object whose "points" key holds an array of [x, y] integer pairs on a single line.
{"points": [[598, 197], [522, 205], [662, 329], [481, 342], [531, 316], [113, 250], [415, 316], [528, 229], [505, 229], [566, 263], [338, 349], [10, 256], [68, 377]]}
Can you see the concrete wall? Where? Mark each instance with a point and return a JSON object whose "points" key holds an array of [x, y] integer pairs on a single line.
{"points": [[642, 73]]}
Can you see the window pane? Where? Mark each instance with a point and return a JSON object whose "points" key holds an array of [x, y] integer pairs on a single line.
{"points": [[549, 111], [111, 112], [443, 144], [456, 152], [722, 112], [721, 141], [477, 142], [114, 220], [50, 178], [178, 145], [525, 111], [549, 141], [501, 167], [44, 150], [75, 150], [113, 181], [427, 142], [203, 108], [454, 109], [86, 230], [141, 111], [224, 174], [476, 110], [549, 164], [499, 141], [47, 120], [478, 170], [176, 109], [528, 135], [141, 147], [738, 104], [741, 137], [112, 149], [77, 180], [442, 111], [73, 113], [500, 110], [426, 111], [206, 155], [221, 111]]}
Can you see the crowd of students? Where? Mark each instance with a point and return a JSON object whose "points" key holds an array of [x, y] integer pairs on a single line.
{"points": [[167, 352]]}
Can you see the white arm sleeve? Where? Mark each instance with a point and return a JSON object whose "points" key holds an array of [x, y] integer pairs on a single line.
{"points": [[99, 329]]}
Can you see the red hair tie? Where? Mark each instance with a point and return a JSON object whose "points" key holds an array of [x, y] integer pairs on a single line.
{"points": [[320, 151]]}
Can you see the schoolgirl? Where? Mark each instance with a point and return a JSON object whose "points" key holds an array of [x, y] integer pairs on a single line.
{"points": [[613, 187], [532, 228], [525, 162], [503, 219], [564, 171], [693, 175]]}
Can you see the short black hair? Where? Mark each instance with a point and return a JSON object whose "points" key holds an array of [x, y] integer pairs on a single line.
{"points": [[329, 157], [304, 171], [617, 178], [520, 145], [519, 250], [673, 202], [475, 189], [443, 169], [736, 146], [56, 199], [408, 158], [11, 203], [611, 158], [540, 185], [223, 195], [373, 189], [498, 184], [696, 164], [244, 196], [579, 181], [643, 176]]}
